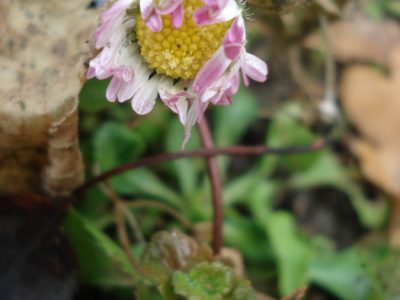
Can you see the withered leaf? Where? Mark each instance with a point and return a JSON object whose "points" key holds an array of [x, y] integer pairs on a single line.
{"points": [[359, 39]]}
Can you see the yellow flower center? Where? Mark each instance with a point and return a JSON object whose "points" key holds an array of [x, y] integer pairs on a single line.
{"points": [[180, 53]]}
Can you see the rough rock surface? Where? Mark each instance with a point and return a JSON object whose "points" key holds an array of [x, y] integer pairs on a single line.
{"points": [[40, 47]]}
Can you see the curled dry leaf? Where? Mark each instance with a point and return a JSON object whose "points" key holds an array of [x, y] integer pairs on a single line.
{"points": [[371, 100], [233, 258], [40, 45], [359, 39]]}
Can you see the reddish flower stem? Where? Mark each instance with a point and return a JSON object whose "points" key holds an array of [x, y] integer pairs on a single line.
{"points": [[205, 152], [216, 187]]}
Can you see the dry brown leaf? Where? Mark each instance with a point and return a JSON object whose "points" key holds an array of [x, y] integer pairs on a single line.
{"points": [[233, 258], [359, 39], [40, 46], [372, 102]]}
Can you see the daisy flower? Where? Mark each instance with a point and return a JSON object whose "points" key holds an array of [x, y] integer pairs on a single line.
{"points": [[190, 53]]}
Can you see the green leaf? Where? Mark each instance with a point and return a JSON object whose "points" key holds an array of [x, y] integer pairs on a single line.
{"points": [[145, 292], [327, 170], [285, 130], [232, 121], [143, 182], [205, 281], [116, 144], [101, 261], [342, 274], [372, 214], [92, 96], [393, 7], [293, 253], [238, 189], [185, 170], [152, 126], [261, 200], [247, 236], [242, 291]]}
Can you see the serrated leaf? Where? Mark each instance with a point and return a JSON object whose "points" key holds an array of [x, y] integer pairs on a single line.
{"points": [[205, 281], [101, 261], [242, 291], [171, 251]]}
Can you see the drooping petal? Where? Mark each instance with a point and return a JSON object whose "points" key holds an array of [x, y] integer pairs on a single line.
{"points": [[211, 71], [254, 67], [191, 118]]}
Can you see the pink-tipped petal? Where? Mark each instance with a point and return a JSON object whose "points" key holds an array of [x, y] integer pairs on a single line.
{"points": [[146, 8], [181, 106], [154, 22], [255, 68], [202, 16], [234, 40], [110, 20], [246, 80], [127, 90], [112, 89], [216, 12], [145, 98], [177, 17], [236, 33], [191, 118], [211, 71], [232, 51], [167, 7], [91, 73]]}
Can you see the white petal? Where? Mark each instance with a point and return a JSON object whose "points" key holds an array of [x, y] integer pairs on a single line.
{"points": [[145, 98]]}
